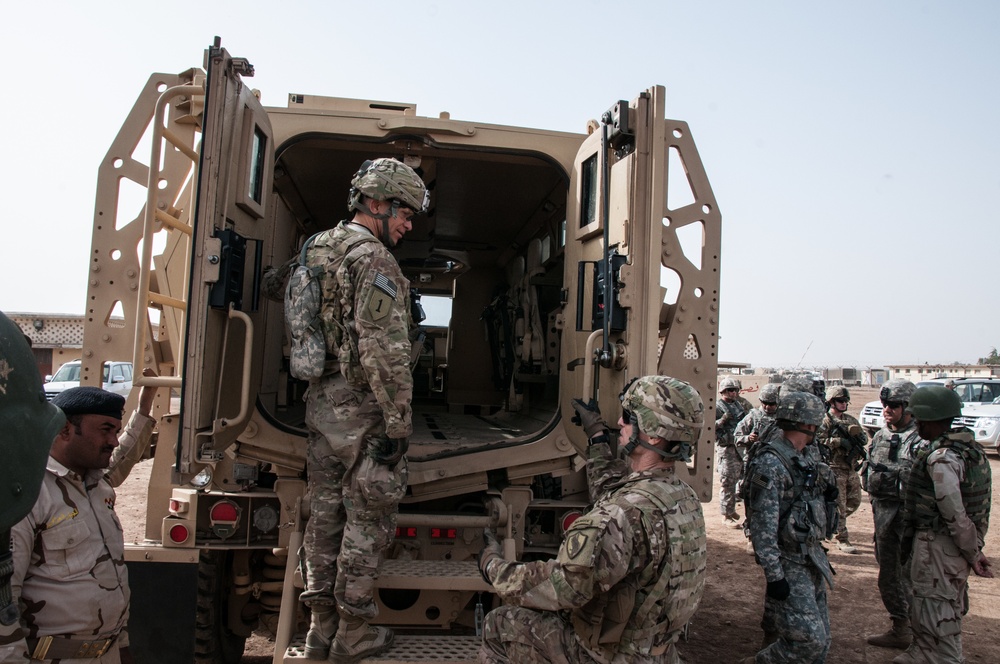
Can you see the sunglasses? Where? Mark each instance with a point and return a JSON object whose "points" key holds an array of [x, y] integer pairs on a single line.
{"points": [[840, 400], [768, 403], [892, 405]]}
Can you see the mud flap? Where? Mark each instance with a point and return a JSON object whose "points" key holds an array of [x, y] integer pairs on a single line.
{"points": [[161, 615]]}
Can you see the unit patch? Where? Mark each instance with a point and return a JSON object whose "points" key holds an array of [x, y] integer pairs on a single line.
{"points": [[576, 543]]}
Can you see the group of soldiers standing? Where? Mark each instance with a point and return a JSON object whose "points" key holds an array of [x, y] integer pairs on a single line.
{"points": [[795, 464]]}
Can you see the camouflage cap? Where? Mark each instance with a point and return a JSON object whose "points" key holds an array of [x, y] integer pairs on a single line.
{"points": [[934, 403], [837, 392], [769, 393], [897, 389], [729, 383], [800, 407], [388, 179], [667, 408]]}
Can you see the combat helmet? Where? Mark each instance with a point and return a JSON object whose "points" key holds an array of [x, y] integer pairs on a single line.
{"points": [[837, 392], [663, 407], [897, 389], [28, 421], [769, 393], [800, 408], [933, 403], [729, 383]]}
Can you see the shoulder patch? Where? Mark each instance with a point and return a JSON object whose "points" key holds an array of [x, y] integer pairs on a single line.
{"points": [[385, 284], [576, 543]]}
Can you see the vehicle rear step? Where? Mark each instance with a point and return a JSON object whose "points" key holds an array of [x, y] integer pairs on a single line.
{"points": [[409, 648], [419, 574]]}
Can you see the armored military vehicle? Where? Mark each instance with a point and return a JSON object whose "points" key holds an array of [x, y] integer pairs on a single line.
{"points": [[559, 265]]}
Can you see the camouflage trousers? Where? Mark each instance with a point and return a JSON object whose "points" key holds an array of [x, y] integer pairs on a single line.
{"points": [[353, 500], [729, 466], [849, 498], [940, 576], [893, 576], [802, 620], [516, 635]]}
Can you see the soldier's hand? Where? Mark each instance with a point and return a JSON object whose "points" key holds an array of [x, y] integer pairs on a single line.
{"points": [[491, 551], [752, 438], [854, 430], [388, 451], [778, 590], [588, 416], [147, 394], [982, 566]]}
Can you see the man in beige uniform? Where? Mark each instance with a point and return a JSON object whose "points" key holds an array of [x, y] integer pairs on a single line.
{"points": [[69, 552]]}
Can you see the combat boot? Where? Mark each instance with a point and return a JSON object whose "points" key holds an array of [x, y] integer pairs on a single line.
{"points": [[322, 629], [847, 547], [906, 657], [356, 639], [898, 636]]}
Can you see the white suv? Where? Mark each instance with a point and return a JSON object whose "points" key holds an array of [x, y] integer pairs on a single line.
{"points": [[974, 392], [984, 421], [117, 378]]}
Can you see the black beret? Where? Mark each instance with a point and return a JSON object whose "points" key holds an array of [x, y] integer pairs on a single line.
{"points": [[90, 401]]}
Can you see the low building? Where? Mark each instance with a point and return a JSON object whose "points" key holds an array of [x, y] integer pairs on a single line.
{"points": [[917, 372], [55, 338]]}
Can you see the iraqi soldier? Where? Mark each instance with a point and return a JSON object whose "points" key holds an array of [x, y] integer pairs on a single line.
{"points": [[788, 503], [728, 413], [69, 551], [842, 442], [358, 411], [884, 476], [630, 573], [29, 423], [946, 513]]}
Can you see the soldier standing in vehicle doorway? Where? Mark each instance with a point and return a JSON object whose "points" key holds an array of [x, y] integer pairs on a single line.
{"points": [[728, 413], [631, 572], [946, 515], [789, 499], [359, 416], [884, 476], [842, 442]]}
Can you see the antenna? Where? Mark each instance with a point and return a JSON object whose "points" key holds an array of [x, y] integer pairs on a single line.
{"points": [[804, 353]]}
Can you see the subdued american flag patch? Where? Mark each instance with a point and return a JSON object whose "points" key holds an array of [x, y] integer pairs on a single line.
{"points": [[762, 481], [385, 284]]}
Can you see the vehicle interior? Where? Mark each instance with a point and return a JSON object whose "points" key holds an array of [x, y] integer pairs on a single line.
{"points": [[487, 261]]}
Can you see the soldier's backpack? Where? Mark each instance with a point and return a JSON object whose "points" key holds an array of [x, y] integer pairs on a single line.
{"points": [[303, 303]]}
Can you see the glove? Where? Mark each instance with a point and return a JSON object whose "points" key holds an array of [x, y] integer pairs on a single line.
{"points": [[491, 551], [778, 590], [831, 493], [388, 451], [588, 415], [854, 430]]}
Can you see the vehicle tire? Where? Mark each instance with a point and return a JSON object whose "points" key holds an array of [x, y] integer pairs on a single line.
{"points": [[214, 642]]}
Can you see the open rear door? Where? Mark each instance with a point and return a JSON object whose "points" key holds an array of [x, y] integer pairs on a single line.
{"points": [[233, 190], [642, 267]]}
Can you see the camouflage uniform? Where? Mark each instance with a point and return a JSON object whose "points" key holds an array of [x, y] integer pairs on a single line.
{"points": [[844, 447], [787, 523], [633, 555], [884, 476], [728, 460], [353, 499], [69, 557], [947, 504]]}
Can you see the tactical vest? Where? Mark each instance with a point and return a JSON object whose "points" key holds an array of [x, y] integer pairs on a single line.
{"points": [[643, 621], [335, 247], [885, 474], [976, 488], [802, 524]]}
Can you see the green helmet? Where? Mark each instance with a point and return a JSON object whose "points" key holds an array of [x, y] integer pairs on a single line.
{"points": [[897, 390], [934, 403], [729, 383], [837, 392], [800, 407], [28, 421], [388, 179], [667, 408], [769, 393]]}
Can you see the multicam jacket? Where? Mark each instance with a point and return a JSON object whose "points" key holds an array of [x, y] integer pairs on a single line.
{"points": [[69, 552], [844, 440], [727, 416], [631, 572], [365, 312]]}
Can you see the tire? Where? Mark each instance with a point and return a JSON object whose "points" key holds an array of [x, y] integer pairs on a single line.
{"points": [[214, 642]]}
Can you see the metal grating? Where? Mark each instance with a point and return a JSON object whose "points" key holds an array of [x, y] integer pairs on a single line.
{"points": [[418, 574], [409, 648]]}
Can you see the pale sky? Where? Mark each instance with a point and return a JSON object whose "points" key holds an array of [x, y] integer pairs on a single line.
{"points": [[853, 147]]}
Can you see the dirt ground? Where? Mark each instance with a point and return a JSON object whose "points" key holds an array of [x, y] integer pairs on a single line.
{"points": [[726, 626]]}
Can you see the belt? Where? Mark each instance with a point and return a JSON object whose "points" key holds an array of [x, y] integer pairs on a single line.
{"points": [[62, 647]]}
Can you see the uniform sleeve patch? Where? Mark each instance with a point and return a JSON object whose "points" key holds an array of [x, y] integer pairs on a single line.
{"points": [[760, 480], [385, 284], [576, 543]]}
